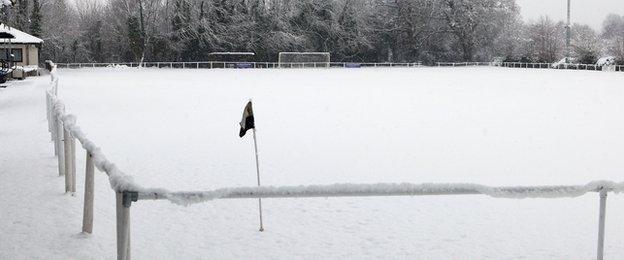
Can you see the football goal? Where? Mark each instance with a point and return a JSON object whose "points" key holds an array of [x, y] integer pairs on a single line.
{"points": [[304, 59]]}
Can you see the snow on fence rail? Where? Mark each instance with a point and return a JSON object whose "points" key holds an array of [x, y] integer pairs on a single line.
{"points": [[64, 130]]}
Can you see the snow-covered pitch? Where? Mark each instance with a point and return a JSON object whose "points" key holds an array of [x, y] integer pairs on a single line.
{"points": [[177, 129]]}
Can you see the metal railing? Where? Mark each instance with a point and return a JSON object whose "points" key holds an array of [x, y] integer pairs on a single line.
{"points": [[531, 65], [462, 64], [64, 131], [286, 65], [232, 65], [575, 66]]}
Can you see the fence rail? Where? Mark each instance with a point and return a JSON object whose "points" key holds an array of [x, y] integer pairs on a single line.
{"points": [[462, 64], [239, 64], [283, 65], [64, 132]]}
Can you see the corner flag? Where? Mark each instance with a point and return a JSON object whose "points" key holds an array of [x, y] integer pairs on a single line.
{"points": [[245, 124], [248, 120]]}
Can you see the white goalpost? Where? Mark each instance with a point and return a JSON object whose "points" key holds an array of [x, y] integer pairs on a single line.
{"points": [[304, 59]]}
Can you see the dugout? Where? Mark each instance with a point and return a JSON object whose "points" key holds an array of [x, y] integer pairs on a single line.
{"points": [[238, 60]]}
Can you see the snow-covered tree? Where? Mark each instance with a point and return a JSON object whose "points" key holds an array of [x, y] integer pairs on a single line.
{"points": [[613, 34], [35, 19], [545, 40], [351, 30], [585, 44]]}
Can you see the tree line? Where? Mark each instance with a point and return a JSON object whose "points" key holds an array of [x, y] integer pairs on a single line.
{"points": [[351, 30]]}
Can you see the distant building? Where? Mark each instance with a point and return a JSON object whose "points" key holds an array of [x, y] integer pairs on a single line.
{"points": [[23, 46]]}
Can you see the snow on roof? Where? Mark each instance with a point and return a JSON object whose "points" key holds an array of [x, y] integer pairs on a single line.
{"points": [[19, 36]]}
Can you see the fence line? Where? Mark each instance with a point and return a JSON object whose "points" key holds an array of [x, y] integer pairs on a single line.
{"points": [[531, 65], [275, 65], [64, 131], [239, 64], [462, 64]]}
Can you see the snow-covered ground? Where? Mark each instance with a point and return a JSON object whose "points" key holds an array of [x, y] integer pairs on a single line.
{"points": [[178, 129]]}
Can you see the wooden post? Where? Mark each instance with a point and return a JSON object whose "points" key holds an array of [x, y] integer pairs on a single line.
{"points": [[87, 214], [123, 228], [601, 223]]}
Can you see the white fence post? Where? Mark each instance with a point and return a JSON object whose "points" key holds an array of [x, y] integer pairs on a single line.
{"points": [[87, 216], [123, 229], [124, 201], [55, 135], [70, 166], [601, 223], [59, 138]]}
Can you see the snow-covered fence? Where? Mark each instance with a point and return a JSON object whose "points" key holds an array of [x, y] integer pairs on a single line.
{"points": [[462, 64], [569, 66], [529, 65], [284, 65], [64, 130], [239, 64]]}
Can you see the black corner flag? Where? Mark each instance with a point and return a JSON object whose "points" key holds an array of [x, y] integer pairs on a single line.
{"points": [[248, 120]]}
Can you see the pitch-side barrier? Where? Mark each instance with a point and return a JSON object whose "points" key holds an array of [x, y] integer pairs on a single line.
{"points": [[294, 65], [65, 131], [534, 65], [238, 65]]}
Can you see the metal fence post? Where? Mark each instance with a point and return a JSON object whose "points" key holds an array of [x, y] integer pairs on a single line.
{"points": [[87, 213], [70, 166], [601, 223], [123, 202], [55, 136], [59, 139]]}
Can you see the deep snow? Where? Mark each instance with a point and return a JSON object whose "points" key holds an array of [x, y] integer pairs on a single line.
{"points": [[178, 129]]}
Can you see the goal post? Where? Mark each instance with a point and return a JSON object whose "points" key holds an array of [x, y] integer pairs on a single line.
{"points": [[304, 59]]}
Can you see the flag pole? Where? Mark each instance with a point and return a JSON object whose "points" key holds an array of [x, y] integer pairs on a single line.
{"points": [[258, 175]]}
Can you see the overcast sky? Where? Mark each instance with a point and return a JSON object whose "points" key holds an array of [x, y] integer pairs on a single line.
{"points": [[590, 12]]}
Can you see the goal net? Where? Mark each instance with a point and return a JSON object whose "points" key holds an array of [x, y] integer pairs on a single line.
{"points": [[303, 59]]}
